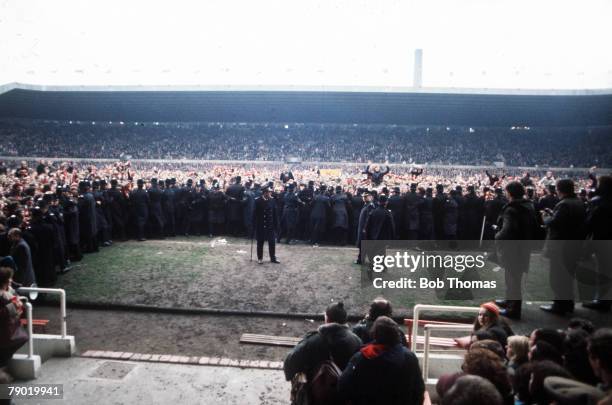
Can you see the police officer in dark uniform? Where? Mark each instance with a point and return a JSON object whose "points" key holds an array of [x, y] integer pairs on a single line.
{"points": [[306, 194], [52, 214], [216, 209], [139, 200], [356, 204], [438, 206], [318, 215], [199, 212], [71, 225], [493, 209], [396, 206], [168, 208], [104, 231], [248, 201], [340, 225], [474, 211], [412, 202], [426, 214], [46, 239], [460, 200], [379, 226], [265, 223], [368, 207], [87, 218], [184, 197], [118, 208], [289, 218], [235, 211], [156, 217]]}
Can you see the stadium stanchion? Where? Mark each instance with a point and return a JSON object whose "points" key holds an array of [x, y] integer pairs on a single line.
{"points": [[484, 219]]}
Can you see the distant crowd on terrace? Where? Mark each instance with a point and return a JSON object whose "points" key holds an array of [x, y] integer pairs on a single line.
{"points": [[515, 146]]}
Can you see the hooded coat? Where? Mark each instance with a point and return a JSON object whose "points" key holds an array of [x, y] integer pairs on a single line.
{"points": [[382, 375]]}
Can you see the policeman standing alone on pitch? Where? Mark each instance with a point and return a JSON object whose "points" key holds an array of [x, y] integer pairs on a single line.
{"points": [[265, 222]]}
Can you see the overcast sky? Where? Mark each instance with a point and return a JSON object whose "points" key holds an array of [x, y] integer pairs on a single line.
{"points": [[529, 44]]}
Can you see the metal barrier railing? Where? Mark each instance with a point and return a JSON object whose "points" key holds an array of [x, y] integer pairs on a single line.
{"points": [[428, 328], [416, 312], [52, 291], [28, 308]]}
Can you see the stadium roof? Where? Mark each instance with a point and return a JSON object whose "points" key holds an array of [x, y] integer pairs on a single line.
{"points": [[401, 106]]}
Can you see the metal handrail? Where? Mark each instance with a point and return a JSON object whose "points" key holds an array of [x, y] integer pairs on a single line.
{"points": [[424, 307], [428, 328], [28, 307], [53, 291]]}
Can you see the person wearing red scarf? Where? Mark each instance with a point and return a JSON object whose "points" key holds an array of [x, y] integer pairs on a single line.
{"points": [[384, 371]]}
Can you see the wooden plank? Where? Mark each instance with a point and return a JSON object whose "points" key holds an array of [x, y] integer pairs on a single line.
{"points": [[286, 341]]}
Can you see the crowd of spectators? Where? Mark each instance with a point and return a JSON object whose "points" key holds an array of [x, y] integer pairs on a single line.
{"points": [[515, 146], [547, 366]]}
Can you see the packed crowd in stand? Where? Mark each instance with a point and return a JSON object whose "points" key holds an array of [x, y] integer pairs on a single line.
{"points": [[374, 365], [516, 146]]}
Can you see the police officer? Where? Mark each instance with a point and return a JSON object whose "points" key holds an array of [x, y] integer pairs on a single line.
{"points": [[235, 194], [265, 224], [87, 218], [156, 219], [340, 220], [318, 215], [139, 200], [289, 218], [368, 207]]}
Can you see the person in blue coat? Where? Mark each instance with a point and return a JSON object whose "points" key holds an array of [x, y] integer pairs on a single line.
{"points": [[383, 372]]}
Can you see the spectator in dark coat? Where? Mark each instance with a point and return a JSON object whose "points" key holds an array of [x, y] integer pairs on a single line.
{"points": [[383, 372], [11, 309], [332, 338], [378, 307]]}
